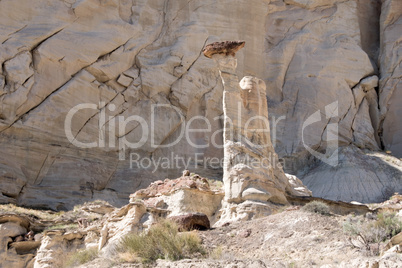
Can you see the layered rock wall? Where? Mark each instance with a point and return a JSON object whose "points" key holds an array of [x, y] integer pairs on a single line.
{"points": [[391, 73], [142, 58]]}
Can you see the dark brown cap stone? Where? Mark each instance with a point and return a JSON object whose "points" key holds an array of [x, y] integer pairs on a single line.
{"points": [[226, 47]]}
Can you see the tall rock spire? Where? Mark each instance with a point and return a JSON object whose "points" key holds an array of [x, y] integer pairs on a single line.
{"points": [[254, 181]]}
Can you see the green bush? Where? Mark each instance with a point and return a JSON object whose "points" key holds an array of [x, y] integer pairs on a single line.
{"points": [[81, 257], [162, 241], [389, 222], [367, 232], [317, 207]]}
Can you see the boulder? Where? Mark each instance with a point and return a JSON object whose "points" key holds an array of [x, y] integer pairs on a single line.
{"points": [[299, 189], [192, 221], [55, 248], [25, 247], [188, 194], [396, 241], [14, 250]]}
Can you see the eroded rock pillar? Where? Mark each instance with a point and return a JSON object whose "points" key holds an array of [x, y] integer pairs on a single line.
{"points": [[253, 180]]}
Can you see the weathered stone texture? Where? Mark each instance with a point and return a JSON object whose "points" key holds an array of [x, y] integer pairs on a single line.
{"points": [[124, 57], [391, 74]]}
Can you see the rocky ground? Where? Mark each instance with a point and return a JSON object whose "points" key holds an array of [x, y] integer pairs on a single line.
{"points": [[293, 237]]}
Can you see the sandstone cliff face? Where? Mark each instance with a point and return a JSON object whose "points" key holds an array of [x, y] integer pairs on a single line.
{"points": [[391, 73], [143, 58]]}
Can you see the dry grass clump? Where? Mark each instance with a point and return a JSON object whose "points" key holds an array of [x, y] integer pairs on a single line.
{"points": [[49, 215], [66, 227], [317, 207], [162, 241], [92, 203], [215, 185], [41, 214], [80, 257], [216, 253], [78, 212]]}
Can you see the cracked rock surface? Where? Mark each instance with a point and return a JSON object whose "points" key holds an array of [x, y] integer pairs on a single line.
{"points": [[144, 58]]}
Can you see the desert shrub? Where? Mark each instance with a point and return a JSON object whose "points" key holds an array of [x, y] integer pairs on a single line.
{"points": [[389, 222], [216, 253], [367, 233], [215, 184], [162, 241], [352, 225], [317, 207], [81, 257]]}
